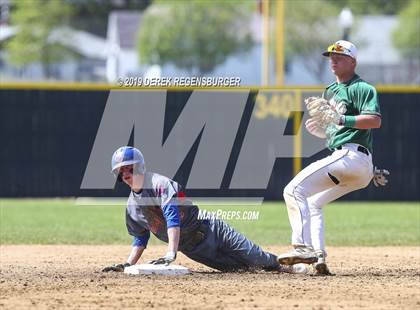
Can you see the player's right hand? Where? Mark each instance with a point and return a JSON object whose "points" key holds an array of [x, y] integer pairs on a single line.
{"points": [[314, 129], [380, 177], [116, 267], [165, 260]]}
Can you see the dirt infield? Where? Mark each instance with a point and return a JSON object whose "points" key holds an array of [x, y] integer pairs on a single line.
{"points": [[69, 277]]}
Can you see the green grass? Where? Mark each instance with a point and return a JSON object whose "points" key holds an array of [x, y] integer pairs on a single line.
{"points": [[61, 221]]}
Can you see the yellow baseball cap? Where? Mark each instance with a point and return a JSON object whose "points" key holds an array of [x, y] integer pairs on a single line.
{"points": [[342, 47]]}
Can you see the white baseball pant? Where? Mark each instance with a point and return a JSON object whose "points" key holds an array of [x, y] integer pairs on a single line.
{"points": [[323, 181]]}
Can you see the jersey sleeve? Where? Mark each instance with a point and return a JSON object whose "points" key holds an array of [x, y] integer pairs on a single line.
{"points": [[368, 101], [167, 192], [171, 215]]}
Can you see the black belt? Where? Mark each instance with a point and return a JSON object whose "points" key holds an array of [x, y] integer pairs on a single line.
{"points": [[360, 148]]}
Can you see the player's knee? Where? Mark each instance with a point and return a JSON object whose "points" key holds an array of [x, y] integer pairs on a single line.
{"points": [[287, 198], [314, 205], [293, 193], [288, 192], [315, 209]]}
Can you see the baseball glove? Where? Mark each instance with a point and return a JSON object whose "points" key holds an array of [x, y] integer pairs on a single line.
{"points": [[322, 112], [116, 267], [165, 260], [379, 177]]}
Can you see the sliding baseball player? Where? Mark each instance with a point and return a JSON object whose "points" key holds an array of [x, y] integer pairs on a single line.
{"points": [[158, 205]]}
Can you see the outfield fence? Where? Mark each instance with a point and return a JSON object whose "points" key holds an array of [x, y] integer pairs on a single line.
{"points": [[49, 131]]}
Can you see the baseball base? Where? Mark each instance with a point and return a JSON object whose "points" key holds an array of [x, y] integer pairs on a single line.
{"points": [[147, 269]]}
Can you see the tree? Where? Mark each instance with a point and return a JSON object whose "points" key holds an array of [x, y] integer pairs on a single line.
{"points": [[310, 27], [406, 36], [194, 35], [35, 20]]}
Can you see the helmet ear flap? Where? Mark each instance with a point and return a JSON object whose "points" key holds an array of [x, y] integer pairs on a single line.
{"points": [[117, 174]]}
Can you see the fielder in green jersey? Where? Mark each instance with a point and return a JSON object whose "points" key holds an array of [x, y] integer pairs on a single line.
{"points": [[345, 116], [353, 97]]}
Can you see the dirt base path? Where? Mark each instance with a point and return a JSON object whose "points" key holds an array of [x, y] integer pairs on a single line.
{"points": [[69, 277]]}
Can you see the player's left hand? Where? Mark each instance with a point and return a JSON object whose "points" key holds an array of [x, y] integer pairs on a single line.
{"points": [[379, 177], [322, 112], [313, 128], [165, 260]]}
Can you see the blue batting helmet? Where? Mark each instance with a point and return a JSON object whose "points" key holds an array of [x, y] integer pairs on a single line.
{"points": [[125, 156]]}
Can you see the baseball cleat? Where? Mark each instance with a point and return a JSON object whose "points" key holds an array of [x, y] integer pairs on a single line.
{"points": [[305, 255], [321, 268]]}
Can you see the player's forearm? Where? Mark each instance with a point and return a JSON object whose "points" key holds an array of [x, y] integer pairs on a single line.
{"points": [[368, 121], [362, 121], [173, 239], [135, 254]]}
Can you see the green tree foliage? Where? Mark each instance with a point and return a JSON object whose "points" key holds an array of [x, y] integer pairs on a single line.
{"points": [[406, 36], [310, 27], [35, 20], [371, 7], [194, 35]]}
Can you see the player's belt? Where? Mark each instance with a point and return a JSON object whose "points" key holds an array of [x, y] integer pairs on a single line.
{"points": [[360, 148]]}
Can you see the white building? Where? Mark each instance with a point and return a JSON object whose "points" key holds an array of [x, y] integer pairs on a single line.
{"points": [[122, 59], [88, 66]]}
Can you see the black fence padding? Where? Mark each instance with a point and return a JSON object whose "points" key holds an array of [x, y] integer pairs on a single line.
{"points": [[47, 137]]}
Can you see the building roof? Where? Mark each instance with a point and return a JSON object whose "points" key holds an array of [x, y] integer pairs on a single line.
{"points": [[82, 42]]}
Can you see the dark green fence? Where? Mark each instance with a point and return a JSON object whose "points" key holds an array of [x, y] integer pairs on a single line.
{"points": [[47, 137]]}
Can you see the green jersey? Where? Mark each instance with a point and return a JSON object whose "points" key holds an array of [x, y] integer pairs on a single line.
{"points": [[354, 97]]}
